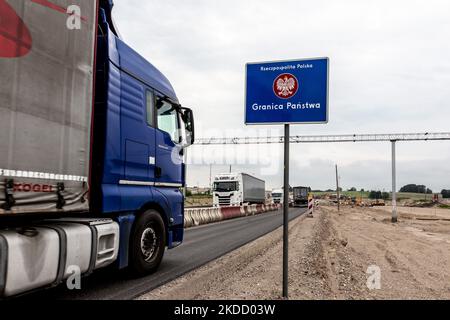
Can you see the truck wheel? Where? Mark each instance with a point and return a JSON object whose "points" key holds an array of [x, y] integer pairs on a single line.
{"points": [[147, 243]]}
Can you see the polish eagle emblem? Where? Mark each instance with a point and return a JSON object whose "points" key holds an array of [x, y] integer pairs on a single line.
{"points": [[285, 86]]}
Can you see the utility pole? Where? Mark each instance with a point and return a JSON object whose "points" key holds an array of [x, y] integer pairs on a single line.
{"points": [[394, 187], [210, 182], [337, 190]]}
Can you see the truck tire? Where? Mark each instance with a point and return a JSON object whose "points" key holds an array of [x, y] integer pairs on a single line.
{"points": [[147, 243]]}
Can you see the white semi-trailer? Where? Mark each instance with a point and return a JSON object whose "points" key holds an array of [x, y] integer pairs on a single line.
{"points": [[236, 189]]}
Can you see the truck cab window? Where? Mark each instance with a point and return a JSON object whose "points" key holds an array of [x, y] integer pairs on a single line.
{"points": [[150, 106], [168, 119]]}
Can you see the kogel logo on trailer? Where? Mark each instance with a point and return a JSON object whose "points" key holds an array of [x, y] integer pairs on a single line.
{"points": [[287, 92]]}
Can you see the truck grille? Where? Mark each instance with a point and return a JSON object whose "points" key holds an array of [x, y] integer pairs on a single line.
{"points": [[224, 200]]}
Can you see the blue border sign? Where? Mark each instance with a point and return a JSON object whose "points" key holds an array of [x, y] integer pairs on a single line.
{"points": [[287, 92]]}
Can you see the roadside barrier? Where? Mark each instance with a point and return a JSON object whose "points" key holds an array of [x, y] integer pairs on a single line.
{"points": [[230, 212], [259, 208], [310, 207], [200, 216]]}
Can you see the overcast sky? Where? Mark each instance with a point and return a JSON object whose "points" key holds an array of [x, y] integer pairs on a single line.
{"points": [[389, 72]]}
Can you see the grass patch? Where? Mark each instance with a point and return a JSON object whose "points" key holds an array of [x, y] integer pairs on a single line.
{"points": [[198, 200], [414, 196], [364, 194]]}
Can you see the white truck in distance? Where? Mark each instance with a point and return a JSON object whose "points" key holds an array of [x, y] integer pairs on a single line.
{"points": [[277, 196], [236, 189]]}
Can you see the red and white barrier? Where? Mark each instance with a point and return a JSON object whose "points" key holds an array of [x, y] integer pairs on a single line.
{"points": [[310, 206], [200, 216], [230, 212]]}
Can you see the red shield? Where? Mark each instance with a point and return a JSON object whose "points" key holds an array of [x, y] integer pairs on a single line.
{"points": [[285, 86]]}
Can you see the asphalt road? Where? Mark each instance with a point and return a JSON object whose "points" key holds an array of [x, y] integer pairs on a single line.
{"points": [[201, 245]]}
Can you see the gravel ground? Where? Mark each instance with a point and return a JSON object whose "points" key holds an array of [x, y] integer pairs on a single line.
{"points": [[328, 257], [420, 212]]}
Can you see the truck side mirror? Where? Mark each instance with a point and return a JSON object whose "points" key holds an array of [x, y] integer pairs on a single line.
{"points": [[188, 119]]}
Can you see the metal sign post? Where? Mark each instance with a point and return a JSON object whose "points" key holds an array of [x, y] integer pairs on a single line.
{"points": [[286, 211], [287, 92]]}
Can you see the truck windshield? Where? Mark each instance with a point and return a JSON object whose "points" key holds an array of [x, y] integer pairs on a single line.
{"points": [[225, 186], [276, 195]]}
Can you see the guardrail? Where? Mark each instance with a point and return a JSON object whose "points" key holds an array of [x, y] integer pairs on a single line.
{"points": [[200, 216]]}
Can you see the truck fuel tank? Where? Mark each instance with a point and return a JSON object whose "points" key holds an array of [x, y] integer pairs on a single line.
{"points": [[51, 251]]}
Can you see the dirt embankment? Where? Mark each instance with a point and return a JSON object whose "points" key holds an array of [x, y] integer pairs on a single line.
{"points": [[413, 255], [329, 256]]}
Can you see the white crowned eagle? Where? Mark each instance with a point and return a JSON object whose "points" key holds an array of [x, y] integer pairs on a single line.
{"points": [[285, 86]]}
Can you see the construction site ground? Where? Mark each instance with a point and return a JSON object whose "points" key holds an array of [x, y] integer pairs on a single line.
{"points": [[332, 256]]}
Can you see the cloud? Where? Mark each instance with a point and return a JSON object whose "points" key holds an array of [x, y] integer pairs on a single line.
{"points": [[389, 72]]}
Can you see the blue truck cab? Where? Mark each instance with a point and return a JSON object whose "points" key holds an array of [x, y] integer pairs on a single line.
{"points": [[139, 139]]}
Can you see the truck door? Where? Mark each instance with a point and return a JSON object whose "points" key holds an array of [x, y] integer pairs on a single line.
{"points": [[169, 159], [138, 132]]}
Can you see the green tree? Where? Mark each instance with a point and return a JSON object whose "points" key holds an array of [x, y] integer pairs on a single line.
{"points": [[375, 195], [414, 188]]}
